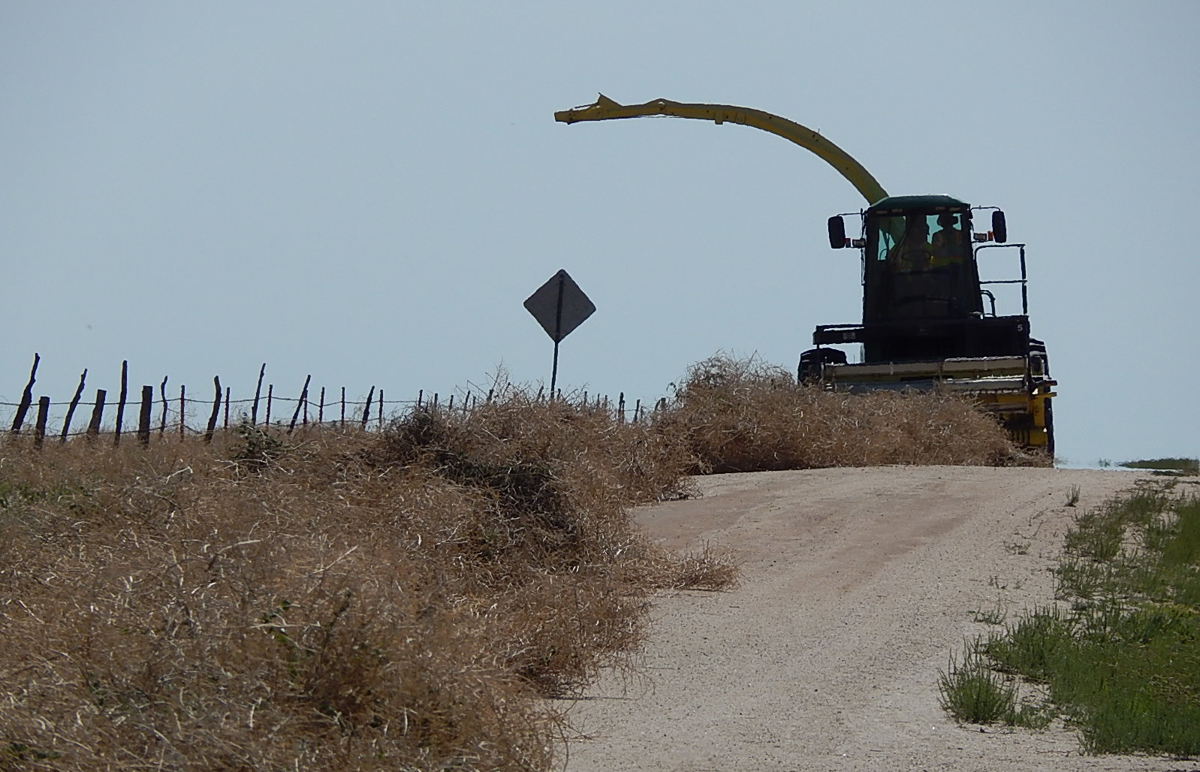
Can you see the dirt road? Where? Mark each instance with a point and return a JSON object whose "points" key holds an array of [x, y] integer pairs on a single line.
{"points": [[857, 584]]}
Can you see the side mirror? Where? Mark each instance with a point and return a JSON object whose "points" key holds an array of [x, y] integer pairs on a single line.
{"points": [[837, 232], [999, 227]]}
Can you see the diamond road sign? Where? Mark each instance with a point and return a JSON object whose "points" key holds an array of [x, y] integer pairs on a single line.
{"points": [[559, 306]]}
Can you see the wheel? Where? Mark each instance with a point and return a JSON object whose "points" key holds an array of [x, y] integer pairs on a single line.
{"points": [[1049, 413], [813, 361]]}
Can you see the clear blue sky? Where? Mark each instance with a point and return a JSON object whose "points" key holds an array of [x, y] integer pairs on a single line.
{"points": [[366, 191]]}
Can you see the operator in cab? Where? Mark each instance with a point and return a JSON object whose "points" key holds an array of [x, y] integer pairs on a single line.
{"points": [[949, 243], [913, 252]]}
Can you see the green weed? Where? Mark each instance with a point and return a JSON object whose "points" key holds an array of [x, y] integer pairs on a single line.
{"points": [[992, 616], [972, 692]]}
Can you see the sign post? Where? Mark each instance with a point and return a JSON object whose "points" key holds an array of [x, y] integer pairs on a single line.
{"points": [[559, 306]]}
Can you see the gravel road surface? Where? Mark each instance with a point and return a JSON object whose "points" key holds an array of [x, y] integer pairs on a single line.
{"points": [[857, 584]]}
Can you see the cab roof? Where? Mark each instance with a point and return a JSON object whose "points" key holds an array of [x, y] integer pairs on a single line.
{"points": [[902, 204]]}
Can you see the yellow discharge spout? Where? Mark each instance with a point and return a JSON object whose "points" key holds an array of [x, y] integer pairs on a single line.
{"points": [[605, 109]]}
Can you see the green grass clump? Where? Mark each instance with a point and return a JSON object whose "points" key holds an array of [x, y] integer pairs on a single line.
{"points": [[1033, 645], [972, 692], [1122, 664]]}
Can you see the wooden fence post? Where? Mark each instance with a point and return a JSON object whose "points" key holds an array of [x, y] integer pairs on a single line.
{"points": [[97, 413], [121, 400], [270, 394], [162, 425], [216, 411], [144, 415], [227, 391], [26, 397], [300, 405], [182, 409], [321, 407], [39, 428], [367, 407], [74, 404], [257, 394], [343, 423], [381, 407]]}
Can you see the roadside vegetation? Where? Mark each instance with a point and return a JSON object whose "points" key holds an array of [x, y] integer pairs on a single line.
{"points": [[406, 599], [1178, 466], [1118, 657]]}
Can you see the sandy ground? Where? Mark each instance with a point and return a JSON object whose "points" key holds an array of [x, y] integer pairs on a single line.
{"points": [[857, 585]]}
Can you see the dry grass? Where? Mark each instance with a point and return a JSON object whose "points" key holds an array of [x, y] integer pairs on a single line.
{"points": [[344, 601], [163, 610], [741, 415], [400, 600]]}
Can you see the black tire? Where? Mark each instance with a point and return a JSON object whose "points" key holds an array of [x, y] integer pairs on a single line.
{"points": [[1049, 410], [813, 361]]}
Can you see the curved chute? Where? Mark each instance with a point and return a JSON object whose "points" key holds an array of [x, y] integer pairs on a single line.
{"points": [[606, 109]]}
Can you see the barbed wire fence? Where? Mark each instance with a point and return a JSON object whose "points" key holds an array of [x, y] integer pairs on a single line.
{"points": [[161, 414]]}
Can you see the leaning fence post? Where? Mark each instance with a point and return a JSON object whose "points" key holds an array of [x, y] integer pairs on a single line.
{"points": [[299, 405], [39, 428], [26, 398], [367, 407], [97, 413], [74, 404], [216, 411], [121, 400], [144, 416]]}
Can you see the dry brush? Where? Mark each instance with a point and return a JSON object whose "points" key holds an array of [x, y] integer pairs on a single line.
{"points": [[406, 599]]}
